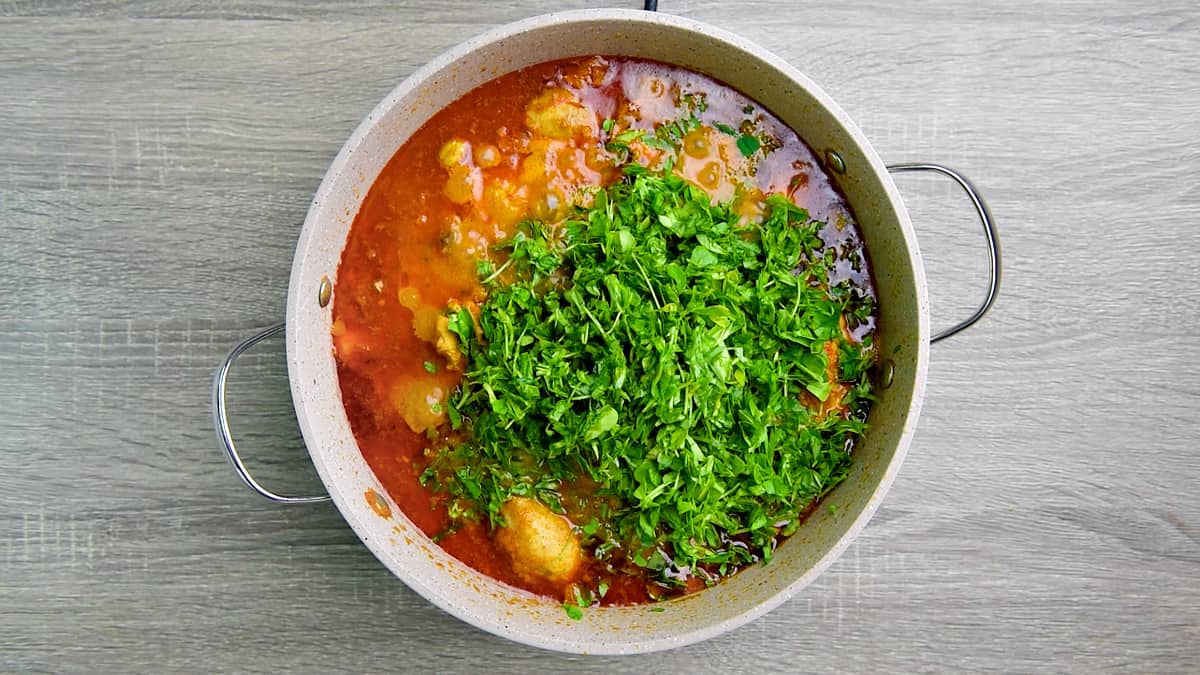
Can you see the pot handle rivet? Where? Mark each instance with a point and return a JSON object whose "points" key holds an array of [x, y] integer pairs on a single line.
{"points": [[887, 373], [989, 232], [834, 162], [324, 291], [221, 420]]}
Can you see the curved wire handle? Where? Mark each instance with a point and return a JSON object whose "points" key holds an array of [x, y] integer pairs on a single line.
{"points": [[221, 421], [989, 231]]}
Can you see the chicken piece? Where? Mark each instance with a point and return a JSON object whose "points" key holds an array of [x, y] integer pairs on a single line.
{"points": [[465, 184], [838, 390], [425, 323], [540, 543], [557, 113], [445, 341], [420, 402], [454, 152], [447, 344], [504, 203], [834, 402], [487, 156], [541, 155]]}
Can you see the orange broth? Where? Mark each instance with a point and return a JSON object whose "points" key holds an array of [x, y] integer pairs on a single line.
{"points": [[460, 184]]}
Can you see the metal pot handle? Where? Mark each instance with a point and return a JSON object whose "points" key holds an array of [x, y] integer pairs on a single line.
{"points": [[221, 422], [989, 231]]}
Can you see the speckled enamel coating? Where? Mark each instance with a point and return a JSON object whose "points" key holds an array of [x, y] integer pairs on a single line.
{"points": [[513, 613]]}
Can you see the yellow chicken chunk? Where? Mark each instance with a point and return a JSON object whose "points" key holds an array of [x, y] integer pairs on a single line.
{"points": [[465, 184], [539, 542], [487, 156], [419, 401], [447, 344], [454, 152], [504, 202], [533, 167], [558, 113], [425, 323]]}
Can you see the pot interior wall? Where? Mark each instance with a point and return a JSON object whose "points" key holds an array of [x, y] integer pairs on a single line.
{"points": [[898, 275]]}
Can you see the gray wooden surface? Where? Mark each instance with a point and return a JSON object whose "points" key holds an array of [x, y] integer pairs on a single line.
{"points": [[157, 159]]}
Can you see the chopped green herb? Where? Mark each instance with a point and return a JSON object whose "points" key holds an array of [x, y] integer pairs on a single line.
{"points": [[748, 144], [431, 367], [629, 136], [583, 597], [666, 136], [661, 348], [573, 611], [725, 129]]}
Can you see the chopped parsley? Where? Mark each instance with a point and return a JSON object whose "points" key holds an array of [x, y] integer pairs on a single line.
{"points": [[666, 136], [668, 355], [748, 144], [573, 611]]}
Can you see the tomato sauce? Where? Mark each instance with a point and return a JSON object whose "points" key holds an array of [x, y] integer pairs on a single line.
{"points": [[521, 146]]}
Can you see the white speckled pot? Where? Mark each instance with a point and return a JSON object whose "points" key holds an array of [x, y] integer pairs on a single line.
{"points": [[516, 614]]}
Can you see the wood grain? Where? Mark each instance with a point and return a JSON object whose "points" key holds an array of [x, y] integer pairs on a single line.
{"points": [[158, 159]]}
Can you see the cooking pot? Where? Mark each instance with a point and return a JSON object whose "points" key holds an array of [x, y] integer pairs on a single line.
{"points": [[903, 338]]}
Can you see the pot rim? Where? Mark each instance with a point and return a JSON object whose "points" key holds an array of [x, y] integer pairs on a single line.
{"points": [[367, 531]]}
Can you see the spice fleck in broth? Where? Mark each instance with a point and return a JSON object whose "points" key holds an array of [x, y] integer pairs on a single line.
{"points": [[602, 327]]}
